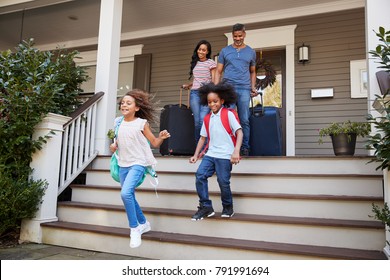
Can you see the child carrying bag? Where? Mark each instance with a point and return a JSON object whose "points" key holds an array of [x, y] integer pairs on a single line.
{"points": [[114, 167]]}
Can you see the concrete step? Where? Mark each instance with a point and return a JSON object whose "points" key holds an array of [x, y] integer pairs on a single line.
{"points": [[279, 204], [269, 165], [332, 184], [170, 246], [304, 231]]}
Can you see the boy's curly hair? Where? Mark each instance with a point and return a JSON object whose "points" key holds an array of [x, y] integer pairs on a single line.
{"points": [[224, 90], [147, 107]]}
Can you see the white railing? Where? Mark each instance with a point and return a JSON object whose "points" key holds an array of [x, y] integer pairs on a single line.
{"points": [[78, 142]]}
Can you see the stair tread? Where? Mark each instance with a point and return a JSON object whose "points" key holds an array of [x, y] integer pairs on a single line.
{"points": [[238, 216], [285, 248], [249, 174], [246, 194]]}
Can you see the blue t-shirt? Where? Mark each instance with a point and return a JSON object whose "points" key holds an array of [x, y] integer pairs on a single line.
{"points": [[236, 64]]}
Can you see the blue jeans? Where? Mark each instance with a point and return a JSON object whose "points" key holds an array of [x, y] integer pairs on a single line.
{"points": [[206, 169], [129, 177], [243, 99], [199, 111]]}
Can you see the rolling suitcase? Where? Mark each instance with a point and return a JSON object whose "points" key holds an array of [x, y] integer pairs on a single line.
{"points": [[179, 122], [265, 131]]}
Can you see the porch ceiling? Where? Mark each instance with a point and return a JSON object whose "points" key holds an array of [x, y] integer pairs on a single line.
{"points": [[59, 21]]}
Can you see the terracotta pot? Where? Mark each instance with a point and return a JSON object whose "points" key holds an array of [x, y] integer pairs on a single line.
{"points": [[344, 144]]}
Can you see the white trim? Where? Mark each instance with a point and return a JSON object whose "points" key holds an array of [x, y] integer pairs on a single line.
{"points": [[223, 22], [127, 54], [356, 67], [283, 36]]}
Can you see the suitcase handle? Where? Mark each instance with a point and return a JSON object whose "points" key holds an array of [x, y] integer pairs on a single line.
{"points": [[262, 105], [188, 97]]}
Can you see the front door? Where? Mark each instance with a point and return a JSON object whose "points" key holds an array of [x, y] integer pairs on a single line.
{"points": [[275, 95]]}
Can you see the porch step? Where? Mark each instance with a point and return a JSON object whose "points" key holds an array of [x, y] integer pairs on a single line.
{"points": [[308, 231], [286, 208], [282, 204], [189, 246]]}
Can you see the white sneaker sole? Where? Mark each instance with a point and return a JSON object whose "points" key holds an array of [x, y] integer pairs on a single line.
{"points": [[227, 216], [208, 216]]}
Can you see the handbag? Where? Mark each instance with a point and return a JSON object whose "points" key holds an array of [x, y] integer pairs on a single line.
{"points": [[114, 167], [114, 170]]}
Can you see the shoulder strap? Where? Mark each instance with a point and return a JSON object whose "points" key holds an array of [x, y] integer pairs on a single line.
{"points": [[117, 126], [226, 124], [206, 121]]}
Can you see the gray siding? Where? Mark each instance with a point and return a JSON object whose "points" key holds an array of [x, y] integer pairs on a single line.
{"points": [[334, 39]]}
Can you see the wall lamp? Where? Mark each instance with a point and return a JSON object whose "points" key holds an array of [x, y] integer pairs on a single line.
{"points": [[303, 54]]}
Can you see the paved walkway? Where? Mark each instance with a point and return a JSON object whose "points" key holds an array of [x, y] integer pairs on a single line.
{"points": [[33, 251]]}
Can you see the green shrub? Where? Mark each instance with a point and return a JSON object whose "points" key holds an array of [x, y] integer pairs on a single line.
{"points": [[19, 199], [383, 215], [32, 84], [380, 141]]}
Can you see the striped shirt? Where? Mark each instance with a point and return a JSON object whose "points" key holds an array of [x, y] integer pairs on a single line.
{"points": [[202, 73]]}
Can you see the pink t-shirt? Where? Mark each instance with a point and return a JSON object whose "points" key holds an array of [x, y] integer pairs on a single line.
{"points": [[202, 73]]}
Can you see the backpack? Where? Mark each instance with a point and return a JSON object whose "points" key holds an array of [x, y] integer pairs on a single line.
{"points": [[225, 123]]}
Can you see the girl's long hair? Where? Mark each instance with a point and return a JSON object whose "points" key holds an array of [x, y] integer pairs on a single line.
{"points": [[195, 58], [147, 107]]}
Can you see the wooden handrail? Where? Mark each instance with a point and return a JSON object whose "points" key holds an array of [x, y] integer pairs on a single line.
{"points": [[78, 141], [85, 106]]}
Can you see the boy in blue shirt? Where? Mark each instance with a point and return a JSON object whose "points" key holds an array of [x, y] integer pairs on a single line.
{"points": [[221, 153]]}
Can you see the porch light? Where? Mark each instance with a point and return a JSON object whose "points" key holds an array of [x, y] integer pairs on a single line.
{"points": [[303, 54]]}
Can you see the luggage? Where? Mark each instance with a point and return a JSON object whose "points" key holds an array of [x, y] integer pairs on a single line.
{"points": [[179, 122], [265, 131]]}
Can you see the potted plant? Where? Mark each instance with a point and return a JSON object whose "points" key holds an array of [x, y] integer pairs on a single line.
{"points": [[343, 135]]}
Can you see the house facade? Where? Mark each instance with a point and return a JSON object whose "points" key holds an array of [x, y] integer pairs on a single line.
{"points": [[338, 34]]}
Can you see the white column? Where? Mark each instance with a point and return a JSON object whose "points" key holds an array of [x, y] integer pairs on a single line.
{"points": [[45, 165], [107, 69], [377, 14]]}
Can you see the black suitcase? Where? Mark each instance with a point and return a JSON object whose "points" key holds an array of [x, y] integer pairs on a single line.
{"points": [[179, 122], [265, 131]]}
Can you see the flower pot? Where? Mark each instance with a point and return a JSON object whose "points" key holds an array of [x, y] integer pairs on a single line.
{"points": [[344, 144]]}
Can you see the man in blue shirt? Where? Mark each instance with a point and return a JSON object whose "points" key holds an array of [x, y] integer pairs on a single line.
{"points": [[238, 64]]}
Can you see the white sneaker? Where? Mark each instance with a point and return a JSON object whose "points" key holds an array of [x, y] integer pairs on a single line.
{"points": [[135, 237], [145, 227]]}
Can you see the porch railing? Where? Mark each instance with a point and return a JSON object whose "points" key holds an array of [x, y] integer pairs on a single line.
{"points": [[78, 142]]}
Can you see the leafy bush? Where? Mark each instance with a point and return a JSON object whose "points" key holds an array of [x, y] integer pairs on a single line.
{"points": [[380, 141], [383, 215], [32, 84]]}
